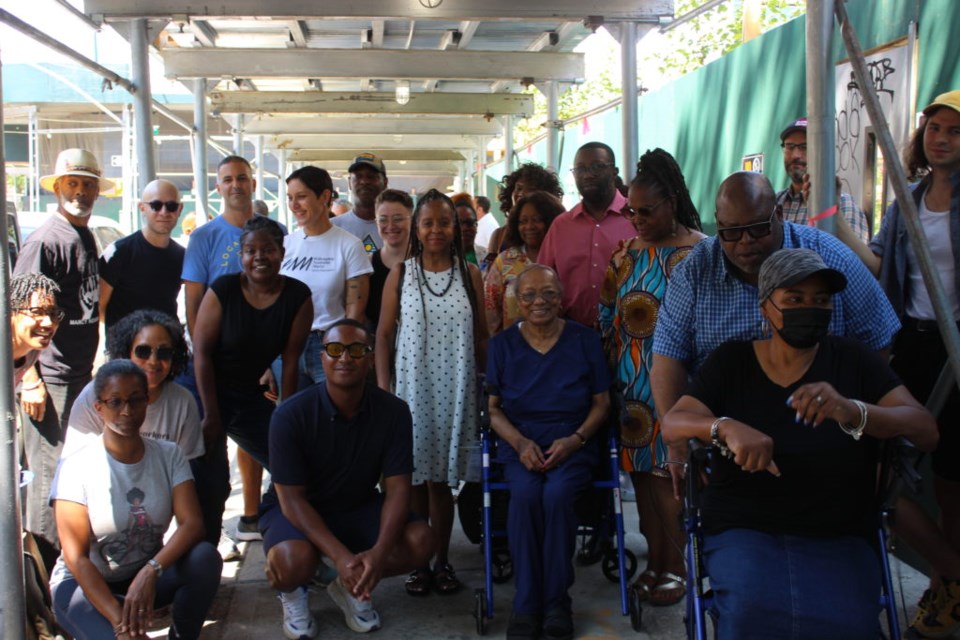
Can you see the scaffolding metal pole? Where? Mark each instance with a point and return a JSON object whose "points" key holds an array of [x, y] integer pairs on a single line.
{"points": [[127, 173], [628, 113], [238, 137], [553, 126], [898, 178], [33, 153], [482, 166], [508, 145], [821, 134], [200, 148], [283, 214], [13, 610], [258, 152], [140, 59]]}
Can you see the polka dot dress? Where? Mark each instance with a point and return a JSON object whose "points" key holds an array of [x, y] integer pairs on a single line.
{"points": [[436, 372]]}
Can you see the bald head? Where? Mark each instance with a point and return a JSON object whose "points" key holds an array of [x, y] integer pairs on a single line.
{"points": [[748, 222], [548, 275], [159, 216]]}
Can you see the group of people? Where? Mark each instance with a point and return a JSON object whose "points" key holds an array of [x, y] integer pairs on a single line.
{"points": [[347, 358]]}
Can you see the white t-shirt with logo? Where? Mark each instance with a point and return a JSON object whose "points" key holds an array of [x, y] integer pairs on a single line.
{"points": [[325, 263], [366, 230], [130, 505]]}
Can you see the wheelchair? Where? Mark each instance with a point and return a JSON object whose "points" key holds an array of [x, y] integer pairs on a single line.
{"points": [[897, 469], [602, 523]]}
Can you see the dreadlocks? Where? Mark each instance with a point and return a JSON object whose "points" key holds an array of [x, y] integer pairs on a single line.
{"points": [[24, 285], [659, 170]]}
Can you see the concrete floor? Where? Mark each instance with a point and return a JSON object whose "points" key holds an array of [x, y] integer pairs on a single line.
{"points": [[247, 609]]}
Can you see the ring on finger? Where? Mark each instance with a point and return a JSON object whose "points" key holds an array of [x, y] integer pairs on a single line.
{"points": [[819, 399]]}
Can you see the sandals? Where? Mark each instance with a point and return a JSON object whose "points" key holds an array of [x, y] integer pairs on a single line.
{"points": [[670, 590], [445, 579], [418, 583], [645, 583]]}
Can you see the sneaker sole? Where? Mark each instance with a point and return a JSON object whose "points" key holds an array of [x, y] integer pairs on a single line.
{"points": [[355, 625], [293, 635], [249, 536]]}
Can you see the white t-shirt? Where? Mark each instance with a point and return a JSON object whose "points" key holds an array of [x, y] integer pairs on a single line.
{"points": [[485, 228], [325, 263], [936, 226], [173, 417], [366, 230], [130, 505]]}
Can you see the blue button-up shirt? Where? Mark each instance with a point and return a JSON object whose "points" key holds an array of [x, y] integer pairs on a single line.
{"points": [[706, 305]]}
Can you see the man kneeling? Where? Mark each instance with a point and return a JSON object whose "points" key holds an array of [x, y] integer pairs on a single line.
{"points": [[329, 447]]}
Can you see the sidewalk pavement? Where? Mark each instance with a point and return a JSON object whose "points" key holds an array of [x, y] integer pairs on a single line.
{"points": [[247, 609]]}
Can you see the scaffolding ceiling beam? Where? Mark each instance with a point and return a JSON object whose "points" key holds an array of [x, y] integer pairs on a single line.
{"points": [[362, 102]]}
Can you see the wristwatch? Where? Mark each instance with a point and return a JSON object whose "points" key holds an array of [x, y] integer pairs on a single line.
{"points": [[156, 566]]}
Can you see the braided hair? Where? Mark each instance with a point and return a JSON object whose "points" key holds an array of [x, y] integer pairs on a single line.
{"points": [[24, 285], [659, 170], [456, 254]]}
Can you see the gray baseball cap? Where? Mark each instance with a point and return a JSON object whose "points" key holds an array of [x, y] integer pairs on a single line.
{"points": [[790, 266]]}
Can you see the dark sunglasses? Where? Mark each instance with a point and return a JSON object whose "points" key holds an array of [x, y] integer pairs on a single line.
{"points": [[144, 352], [115, 404], [172, 206], [756, 230], [355, 350], [56, 314], [645, 212]]}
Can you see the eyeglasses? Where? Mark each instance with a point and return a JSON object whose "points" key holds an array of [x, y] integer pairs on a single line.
{"points": [[144, 351], [115, 404], [645, 211], [172, 206], [56, 314], [594, 168], [356, 350], [549, 296], [756, 230], [790, 147]]}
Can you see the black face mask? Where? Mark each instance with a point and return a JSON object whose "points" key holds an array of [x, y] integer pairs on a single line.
{"points": [[804, 327]]}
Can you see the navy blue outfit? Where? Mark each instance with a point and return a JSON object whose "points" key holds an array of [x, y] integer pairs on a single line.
{"points": [[546, 397], [781, 552], [338, 460]]}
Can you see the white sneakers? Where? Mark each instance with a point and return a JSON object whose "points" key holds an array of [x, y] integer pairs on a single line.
{"points": [[298, 622], [360, 616]]}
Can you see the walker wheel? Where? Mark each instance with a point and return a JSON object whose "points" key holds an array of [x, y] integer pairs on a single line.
{"points": [[636, 610], [611, 566], [480, 611]]}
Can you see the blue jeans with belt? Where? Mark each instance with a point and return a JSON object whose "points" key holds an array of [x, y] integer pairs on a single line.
{"points": [[542, 521], [793, 587]]}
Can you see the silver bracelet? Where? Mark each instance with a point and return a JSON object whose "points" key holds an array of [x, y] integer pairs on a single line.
{"points": [[715, 438], [857, 431]]}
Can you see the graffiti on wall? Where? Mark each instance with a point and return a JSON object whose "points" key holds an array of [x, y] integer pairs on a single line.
{"points": [[888, 69]]}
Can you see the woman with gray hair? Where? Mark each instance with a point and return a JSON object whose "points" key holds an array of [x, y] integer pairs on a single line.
{"points": [[796, 419]]}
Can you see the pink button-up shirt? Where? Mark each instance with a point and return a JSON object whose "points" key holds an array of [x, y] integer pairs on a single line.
{"points": [[578, 248]]}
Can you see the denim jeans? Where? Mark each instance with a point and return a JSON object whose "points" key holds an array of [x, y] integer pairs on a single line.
{"points": [[309, 365], [190, 584], [792, 587]]}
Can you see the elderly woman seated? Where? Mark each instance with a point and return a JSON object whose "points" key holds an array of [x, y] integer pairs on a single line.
{"points": [[549, 397], [790, 511]]}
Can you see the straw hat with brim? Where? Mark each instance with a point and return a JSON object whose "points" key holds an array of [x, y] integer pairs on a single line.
{"points": [[787, 267], [78, 162]]}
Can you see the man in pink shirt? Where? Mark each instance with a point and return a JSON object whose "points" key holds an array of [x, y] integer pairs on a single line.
{"points": [[580, 242]]}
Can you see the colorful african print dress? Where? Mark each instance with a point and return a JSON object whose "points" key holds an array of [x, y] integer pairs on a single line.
{"points": [[629, 302]]}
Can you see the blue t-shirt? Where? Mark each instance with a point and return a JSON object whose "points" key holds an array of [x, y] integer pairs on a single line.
{"points": [[213, 251], [339, 460], [554, 388]]}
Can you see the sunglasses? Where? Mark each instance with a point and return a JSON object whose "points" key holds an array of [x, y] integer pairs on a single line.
{"points": [[115, 404], [143, 352], [549, 296], [756, 230], [645, 212], [356, 350], [56, 314], [172, 206]]}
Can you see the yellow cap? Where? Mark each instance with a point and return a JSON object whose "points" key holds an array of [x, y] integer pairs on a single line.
{"points": [[949, 99]]}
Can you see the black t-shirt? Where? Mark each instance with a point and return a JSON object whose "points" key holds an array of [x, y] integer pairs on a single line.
{"points": [[827, 483], [251, 338], [67, 255], [142, 276], [339, 460], [377, 281]]}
